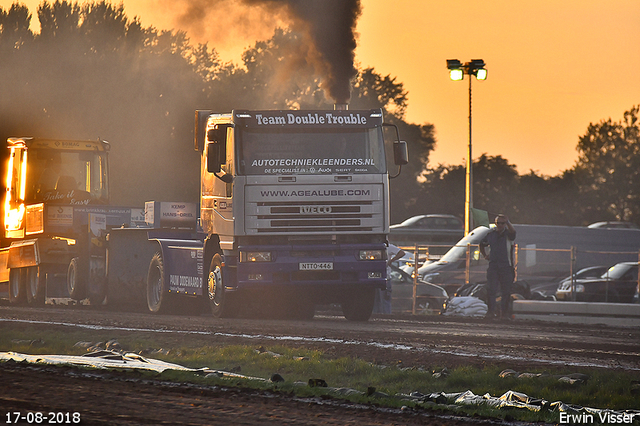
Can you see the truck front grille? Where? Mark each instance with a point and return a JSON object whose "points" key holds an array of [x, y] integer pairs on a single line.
{"points": [[280, 217]]}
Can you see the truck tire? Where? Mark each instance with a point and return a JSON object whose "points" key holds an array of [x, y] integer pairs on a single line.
{"points": [[76, 279], [36, 285], [358, 305], [157, 296], [221, 302], [17, 286]]}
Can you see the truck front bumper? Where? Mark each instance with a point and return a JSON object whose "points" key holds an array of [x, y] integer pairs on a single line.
{"points": [[329, 266]]}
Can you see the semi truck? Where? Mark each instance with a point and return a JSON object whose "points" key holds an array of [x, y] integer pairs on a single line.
{"points": [[295, 205], [293, 212]]}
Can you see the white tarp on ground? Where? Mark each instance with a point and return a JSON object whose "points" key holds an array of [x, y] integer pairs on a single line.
{"points": [[512, 399], [109, 359], [466, 306]]}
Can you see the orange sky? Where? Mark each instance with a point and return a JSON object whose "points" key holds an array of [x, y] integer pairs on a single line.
{"points": [[554, 67]]}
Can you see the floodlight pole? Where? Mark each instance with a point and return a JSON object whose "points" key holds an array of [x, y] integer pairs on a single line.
{"points": [[468, 199], [474, 67]]}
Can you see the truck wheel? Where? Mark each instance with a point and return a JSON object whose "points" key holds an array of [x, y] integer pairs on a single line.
{"points": [[358, 305], [157, 297], [75, 279], [221, 302], [36, 285], [17, 286]]}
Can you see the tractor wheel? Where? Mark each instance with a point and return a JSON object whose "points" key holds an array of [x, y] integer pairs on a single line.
{"points": [[18, 286], [76, 279], [222, 302], [36, 285], [157, 296]]}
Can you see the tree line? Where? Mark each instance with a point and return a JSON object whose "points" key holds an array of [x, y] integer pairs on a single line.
{"points": [[603, 184], [93, 72]]}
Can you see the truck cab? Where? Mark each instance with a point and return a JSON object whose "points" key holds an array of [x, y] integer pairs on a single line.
{"points": [[296, 207], [56, 216], [51, 172]]}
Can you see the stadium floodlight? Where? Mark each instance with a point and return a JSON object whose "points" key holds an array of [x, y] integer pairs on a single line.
{"points": [[457, 70]]}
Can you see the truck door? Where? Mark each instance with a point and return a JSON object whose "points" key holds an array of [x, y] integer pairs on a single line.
{"points": [[217, 188]]}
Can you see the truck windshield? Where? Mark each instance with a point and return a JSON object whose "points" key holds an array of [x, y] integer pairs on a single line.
{"points": [[313, 151], [61, 176]]}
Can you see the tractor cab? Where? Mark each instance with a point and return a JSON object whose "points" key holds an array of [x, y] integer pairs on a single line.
{"points": [[52, 172]]}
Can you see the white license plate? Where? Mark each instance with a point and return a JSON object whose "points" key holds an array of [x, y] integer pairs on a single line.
{"points": [[316, 266]]}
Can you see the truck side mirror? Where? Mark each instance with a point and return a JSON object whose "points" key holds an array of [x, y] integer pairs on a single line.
{"points": [[213, 157], [400, 153]]}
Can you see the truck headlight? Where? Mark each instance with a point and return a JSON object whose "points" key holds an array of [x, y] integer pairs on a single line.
{"points": [[255, 256], [370, 255]]}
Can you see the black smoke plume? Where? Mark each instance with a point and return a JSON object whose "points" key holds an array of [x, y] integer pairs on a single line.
{"points": [[328, 27]]}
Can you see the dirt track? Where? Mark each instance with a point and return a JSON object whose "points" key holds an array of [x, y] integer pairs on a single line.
{"points": [[422, 341]]}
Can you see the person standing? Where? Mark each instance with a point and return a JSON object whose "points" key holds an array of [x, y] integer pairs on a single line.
{"points": [[500, 273]]}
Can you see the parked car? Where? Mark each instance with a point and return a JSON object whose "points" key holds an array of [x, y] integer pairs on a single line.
{"points": [[618, 284], [614, 225], [592, 272], [547, 290], [449, 271], [428, 296], [436, 229]]}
